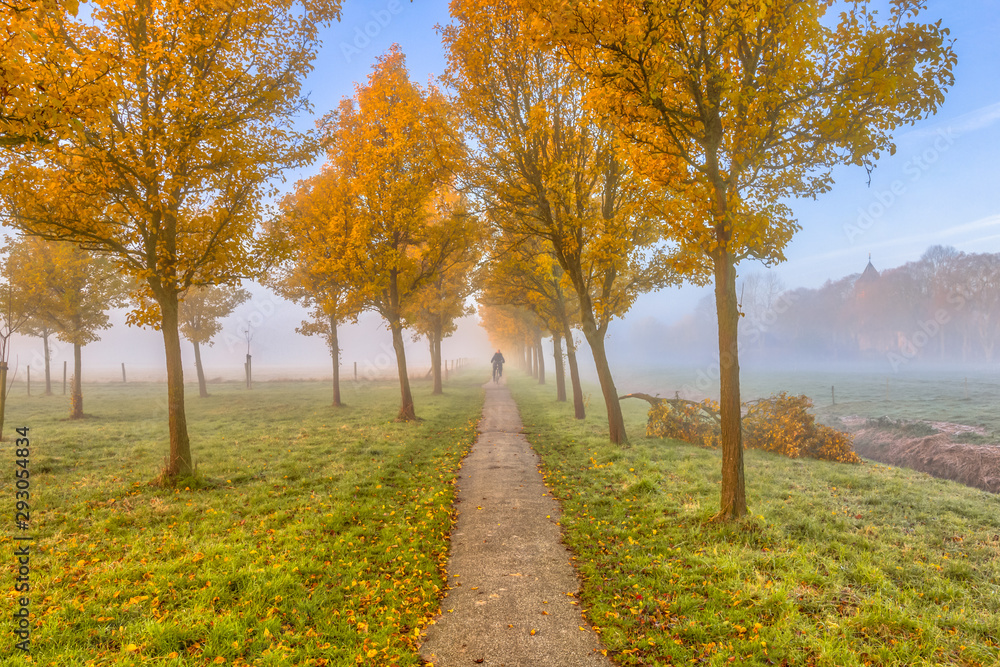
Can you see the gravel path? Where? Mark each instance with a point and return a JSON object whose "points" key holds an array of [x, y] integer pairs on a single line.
{"points": [[512, 590]]}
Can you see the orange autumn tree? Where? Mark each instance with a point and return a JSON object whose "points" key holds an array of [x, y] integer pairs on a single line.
{"points": [[393, 145], [308, 239], [441, 302], [71, 291], [170, 180], [735, 106], [554, 170], [199, 316]]}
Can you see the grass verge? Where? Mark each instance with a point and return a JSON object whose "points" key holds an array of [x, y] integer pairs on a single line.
{"points": [[837, 564], [315, 535]]}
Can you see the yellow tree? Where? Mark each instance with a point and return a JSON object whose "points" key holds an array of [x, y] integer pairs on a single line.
{"points": [[526, 274], [71, 291], [734, 106], [170, 180], [199, 316], [307, 240], [48, 88], [393, 145], [441, 301], [555, 172]]}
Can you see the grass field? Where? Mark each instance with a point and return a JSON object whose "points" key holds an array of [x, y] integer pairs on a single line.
{"points": [[318, 535], [837, 564]]}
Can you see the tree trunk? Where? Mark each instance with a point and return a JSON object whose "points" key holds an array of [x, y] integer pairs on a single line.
{"points": [[436, 360], [406, 410], [560, 370], [179, 463], [76, 392], [48, 363], [335, 354], [533, 359], [574, 372], [539, 358], [3, 395], [200, 370], [616, 422], [734, 502]]}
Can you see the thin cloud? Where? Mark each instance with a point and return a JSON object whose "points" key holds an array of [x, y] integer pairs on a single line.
{"points": [[928, 238], [972, 121]]}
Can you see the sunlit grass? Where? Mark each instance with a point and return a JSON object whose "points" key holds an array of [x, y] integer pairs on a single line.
{"points": [[317, 536], [837, 564]]}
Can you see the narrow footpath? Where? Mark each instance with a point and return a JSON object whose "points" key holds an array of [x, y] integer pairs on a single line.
{"points": [[512, 590]]}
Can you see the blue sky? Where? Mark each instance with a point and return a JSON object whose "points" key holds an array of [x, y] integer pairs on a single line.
{"points": [[939, 188]]}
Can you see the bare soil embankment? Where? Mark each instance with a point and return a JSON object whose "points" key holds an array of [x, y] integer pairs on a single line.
{"points": [[937, 454]]}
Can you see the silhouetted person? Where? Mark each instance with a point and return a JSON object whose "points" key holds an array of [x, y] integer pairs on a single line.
{"points": [[497, 362]]}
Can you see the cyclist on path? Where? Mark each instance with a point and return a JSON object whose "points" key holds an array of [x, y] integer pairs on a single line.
{"points": [[497, 362]]}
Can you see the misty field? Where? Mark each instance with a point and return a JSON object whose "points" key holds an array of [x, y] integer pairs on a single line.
{"points": [[836, 565], [314, 536], [965, 397]]}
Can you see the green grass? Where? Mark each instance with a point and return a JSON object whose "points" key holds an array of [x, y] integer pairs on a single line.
{"points": [[837, 565], [315, 536]]}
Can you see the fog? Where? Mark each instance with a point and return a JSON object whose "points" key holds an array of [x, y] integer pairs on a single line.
{"points": [[939, 314], [277, 351]]}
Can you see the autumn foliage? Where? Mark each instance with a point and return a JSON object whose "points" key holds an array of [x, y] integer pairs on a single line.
{"points": [[170, 179], [49, 87], [733, 107], [781, 424], [395, 149], [692, 422]]}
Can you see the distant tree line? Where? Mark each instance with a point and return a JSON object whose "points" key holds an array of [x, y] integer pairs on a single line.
{"points": [[944, 307]]}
